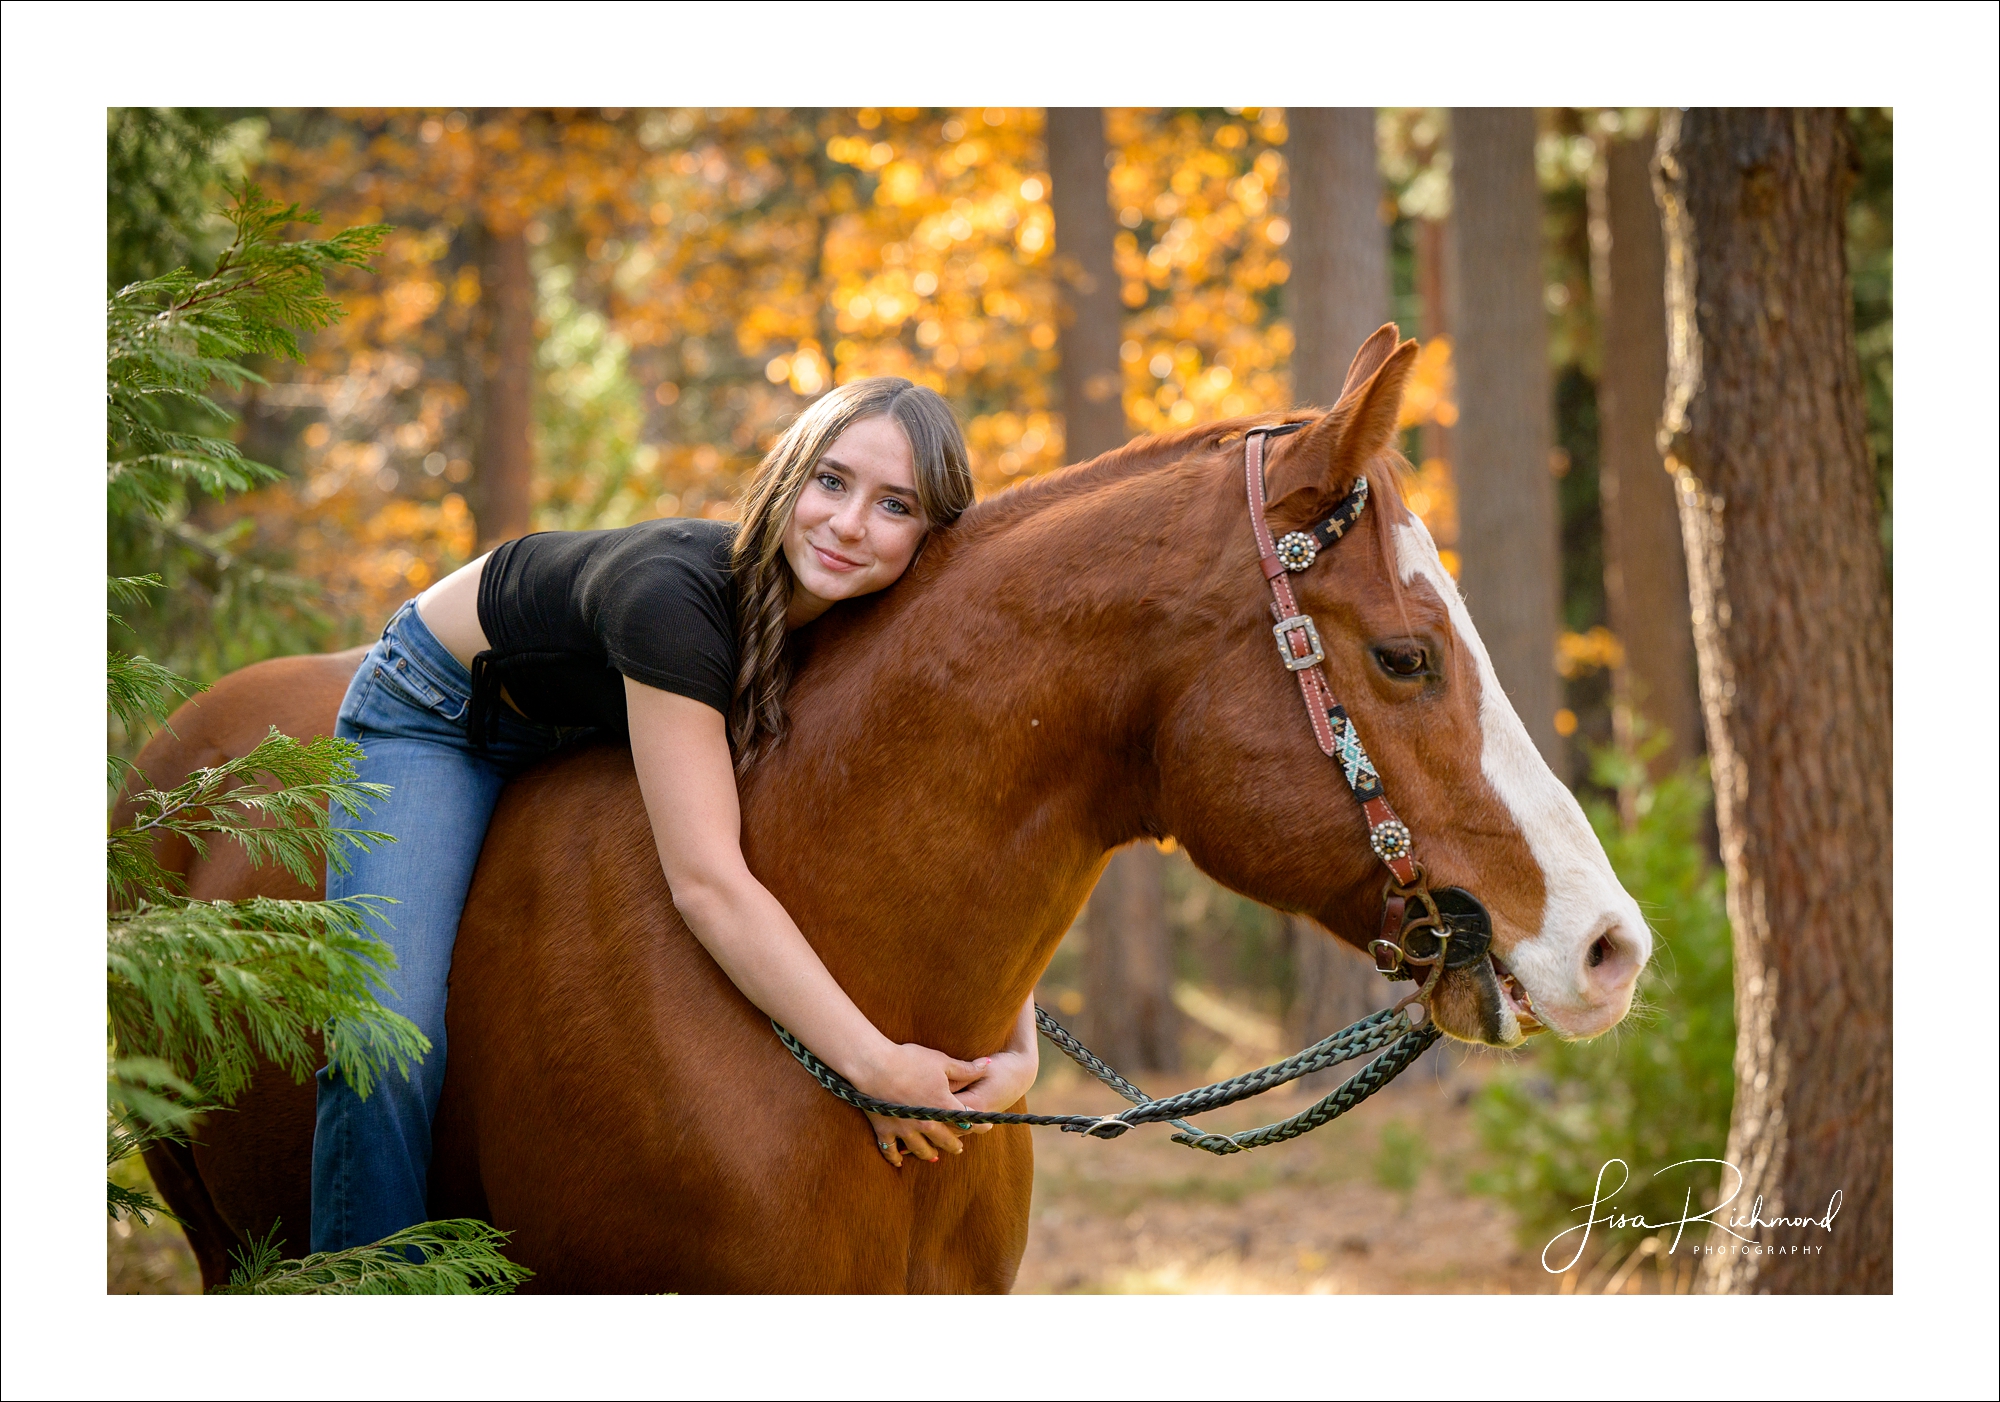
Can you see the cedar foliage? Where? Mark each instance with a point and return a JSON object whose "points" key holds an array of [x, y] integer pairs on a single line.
{"points": [[176, 344], [199, 991]]}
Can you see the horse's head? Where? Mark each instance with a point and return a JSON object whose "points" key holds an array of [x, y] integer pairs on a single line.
{"points": [[1245, 788]]}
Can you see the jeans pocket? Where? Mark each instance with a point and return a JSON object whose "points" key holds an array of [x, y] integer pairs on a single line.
{"points": [[404, 675]]}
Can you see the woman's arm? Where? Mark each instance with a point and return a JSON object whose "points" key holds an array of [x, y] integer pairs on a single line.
{"points": [[681, 751]]}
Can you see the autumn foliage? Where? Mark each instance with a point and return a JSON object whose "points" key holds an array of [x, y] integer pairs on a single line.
{"points": [[698, 275]]}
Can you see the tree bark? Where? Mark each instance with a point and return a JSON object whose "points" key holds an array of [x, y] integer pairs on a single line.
{"points": [[1128, 951], [1764, 432], [1128, 964], [1507, 521], [503, 469], [1645, 571], [1339, 287], [1339, 295], [1434, 311], [1092, 376], [1334, 984]]}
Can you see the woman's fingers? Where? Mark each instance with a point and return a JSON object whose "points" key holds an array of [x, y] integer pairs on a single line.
{"points": [[964, 1073], [932, 1137], [919, 1138], [885, 1140]]}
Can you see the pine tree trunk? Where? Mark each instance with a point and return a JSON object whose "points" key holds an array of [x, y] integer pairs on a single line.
{"points": [[503, 469], [1093, 379], [1128, 965], [1339, 295], [1129, 1015], [1765, 434], [1334, 984], [1434, 311], [1339, 287], [1645, 571], [1507, 522]]}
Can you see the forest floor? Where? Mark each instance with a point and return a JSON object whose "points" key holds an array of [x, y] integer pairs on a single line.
{"points": [[1375, 1203]]}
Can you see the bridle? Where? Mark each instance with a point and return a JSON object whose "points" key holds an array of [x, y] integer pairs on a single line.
{"points": [[1421, 928]]}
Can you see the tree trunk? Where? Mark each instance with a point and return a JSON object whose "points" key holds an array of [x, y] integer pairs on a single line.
{"points": [[1334, 984], [1645, 571], [1507, 523], [1764, 431], [1434, 311], [1339, 295], [1339, 287], [503, 470], [1128, 954], [1093, 379], [1128, 965]]}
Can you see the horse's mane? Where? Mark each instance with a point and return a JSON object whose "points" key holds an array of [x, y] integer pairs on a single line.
{"points": [[1386, 473], [1147, 453]]}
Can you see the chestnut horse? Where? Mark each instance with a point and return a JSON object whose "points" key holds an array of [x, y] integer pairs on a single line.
{"points": [[1080, 662]]}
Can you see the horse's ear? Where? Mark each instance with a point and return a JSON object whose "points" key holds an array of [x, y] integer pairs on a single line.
{"points": [[1376, 349], [1324, 460]]}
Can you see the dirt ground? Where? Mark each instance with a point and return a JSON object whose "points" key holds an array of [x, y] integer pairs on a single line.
{"points": [[1374, 1203]]}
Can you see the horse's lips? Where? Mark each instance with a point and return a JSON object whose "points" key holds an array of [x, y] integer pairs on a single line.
{"points": [[1517, 996]]}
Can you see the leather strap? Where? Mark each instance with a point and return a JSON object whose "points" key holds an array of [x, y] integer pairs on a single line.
{"points": [[1302, 652]]}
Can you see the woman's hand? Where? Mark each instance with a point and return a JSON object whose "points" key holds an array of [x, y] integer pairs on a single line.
{"points": [[1006, 1075], [914, 1075]]}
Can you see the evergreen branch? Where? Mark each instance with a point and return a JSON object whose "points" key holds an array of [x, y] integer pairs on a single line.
{"points": [[132, 589], [133, 1202], [139, 1117], [456, 1257], [149, 1101], [287, 820], [138, 689], [210, 987]]}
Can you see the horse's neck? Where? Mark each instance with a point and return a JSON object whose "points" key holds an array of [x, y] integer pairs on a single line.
{"points": [[963, 753]]}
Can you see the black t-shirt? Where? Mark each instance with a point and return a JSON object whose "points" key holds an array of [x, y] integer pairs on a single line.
{"points": [[569, 614]]}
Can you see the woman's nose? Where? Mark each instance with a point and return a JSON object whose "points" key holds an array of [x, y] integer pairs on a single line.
{"points": [[848, 523]]}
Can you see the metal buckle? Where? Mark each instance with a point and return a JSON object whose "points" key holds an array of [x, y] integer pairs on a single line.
{"points": [[1293, 625]]}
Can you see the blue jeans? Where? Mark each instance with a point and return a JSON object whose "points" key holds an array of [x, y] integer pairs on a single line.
{"points": [[406, 709]]}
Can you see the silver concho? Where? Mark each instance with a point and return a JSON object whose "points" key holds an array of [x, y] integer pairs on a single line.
{"points": [[1297, 550], [1390, 840]]}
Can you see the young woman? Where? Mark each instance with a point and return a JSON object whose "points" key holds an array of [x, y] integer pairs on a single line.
{"points": [[673, 631]]}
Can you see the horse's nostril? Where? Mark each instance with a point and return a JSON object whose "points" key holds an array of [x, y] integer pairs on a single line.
{"points": [[1599, 950]]}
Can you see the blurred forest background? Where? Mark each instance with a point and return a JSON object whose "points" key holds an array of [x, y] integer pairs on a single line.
{"points": [[585, 318]]}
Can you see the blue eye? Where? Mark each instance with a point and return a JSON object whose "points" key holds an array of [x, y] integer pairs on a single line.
{"points": [[830, 482], [896, 505]]}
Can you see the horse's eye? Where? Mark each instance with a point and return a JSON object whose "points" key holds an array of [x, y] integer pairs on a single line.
{"points": [[1403, 660]]}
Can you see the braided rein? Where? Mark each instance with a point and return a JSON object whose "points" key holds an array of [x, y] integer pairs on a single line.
{"points": [[1390, 1029]]}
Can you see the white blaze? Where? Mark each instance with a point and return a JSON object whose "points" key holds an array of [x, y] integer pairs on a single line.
{"points": [[1584, 898]]}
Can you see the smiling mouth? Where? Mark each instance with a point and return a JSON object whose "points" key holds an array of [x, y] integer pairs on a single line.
{"points": [[834, 560], [1517, 997]]}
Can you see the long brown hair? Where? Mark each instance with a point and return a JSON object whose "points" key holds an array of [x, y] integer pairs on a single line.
{"points": [[763, 576]]}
